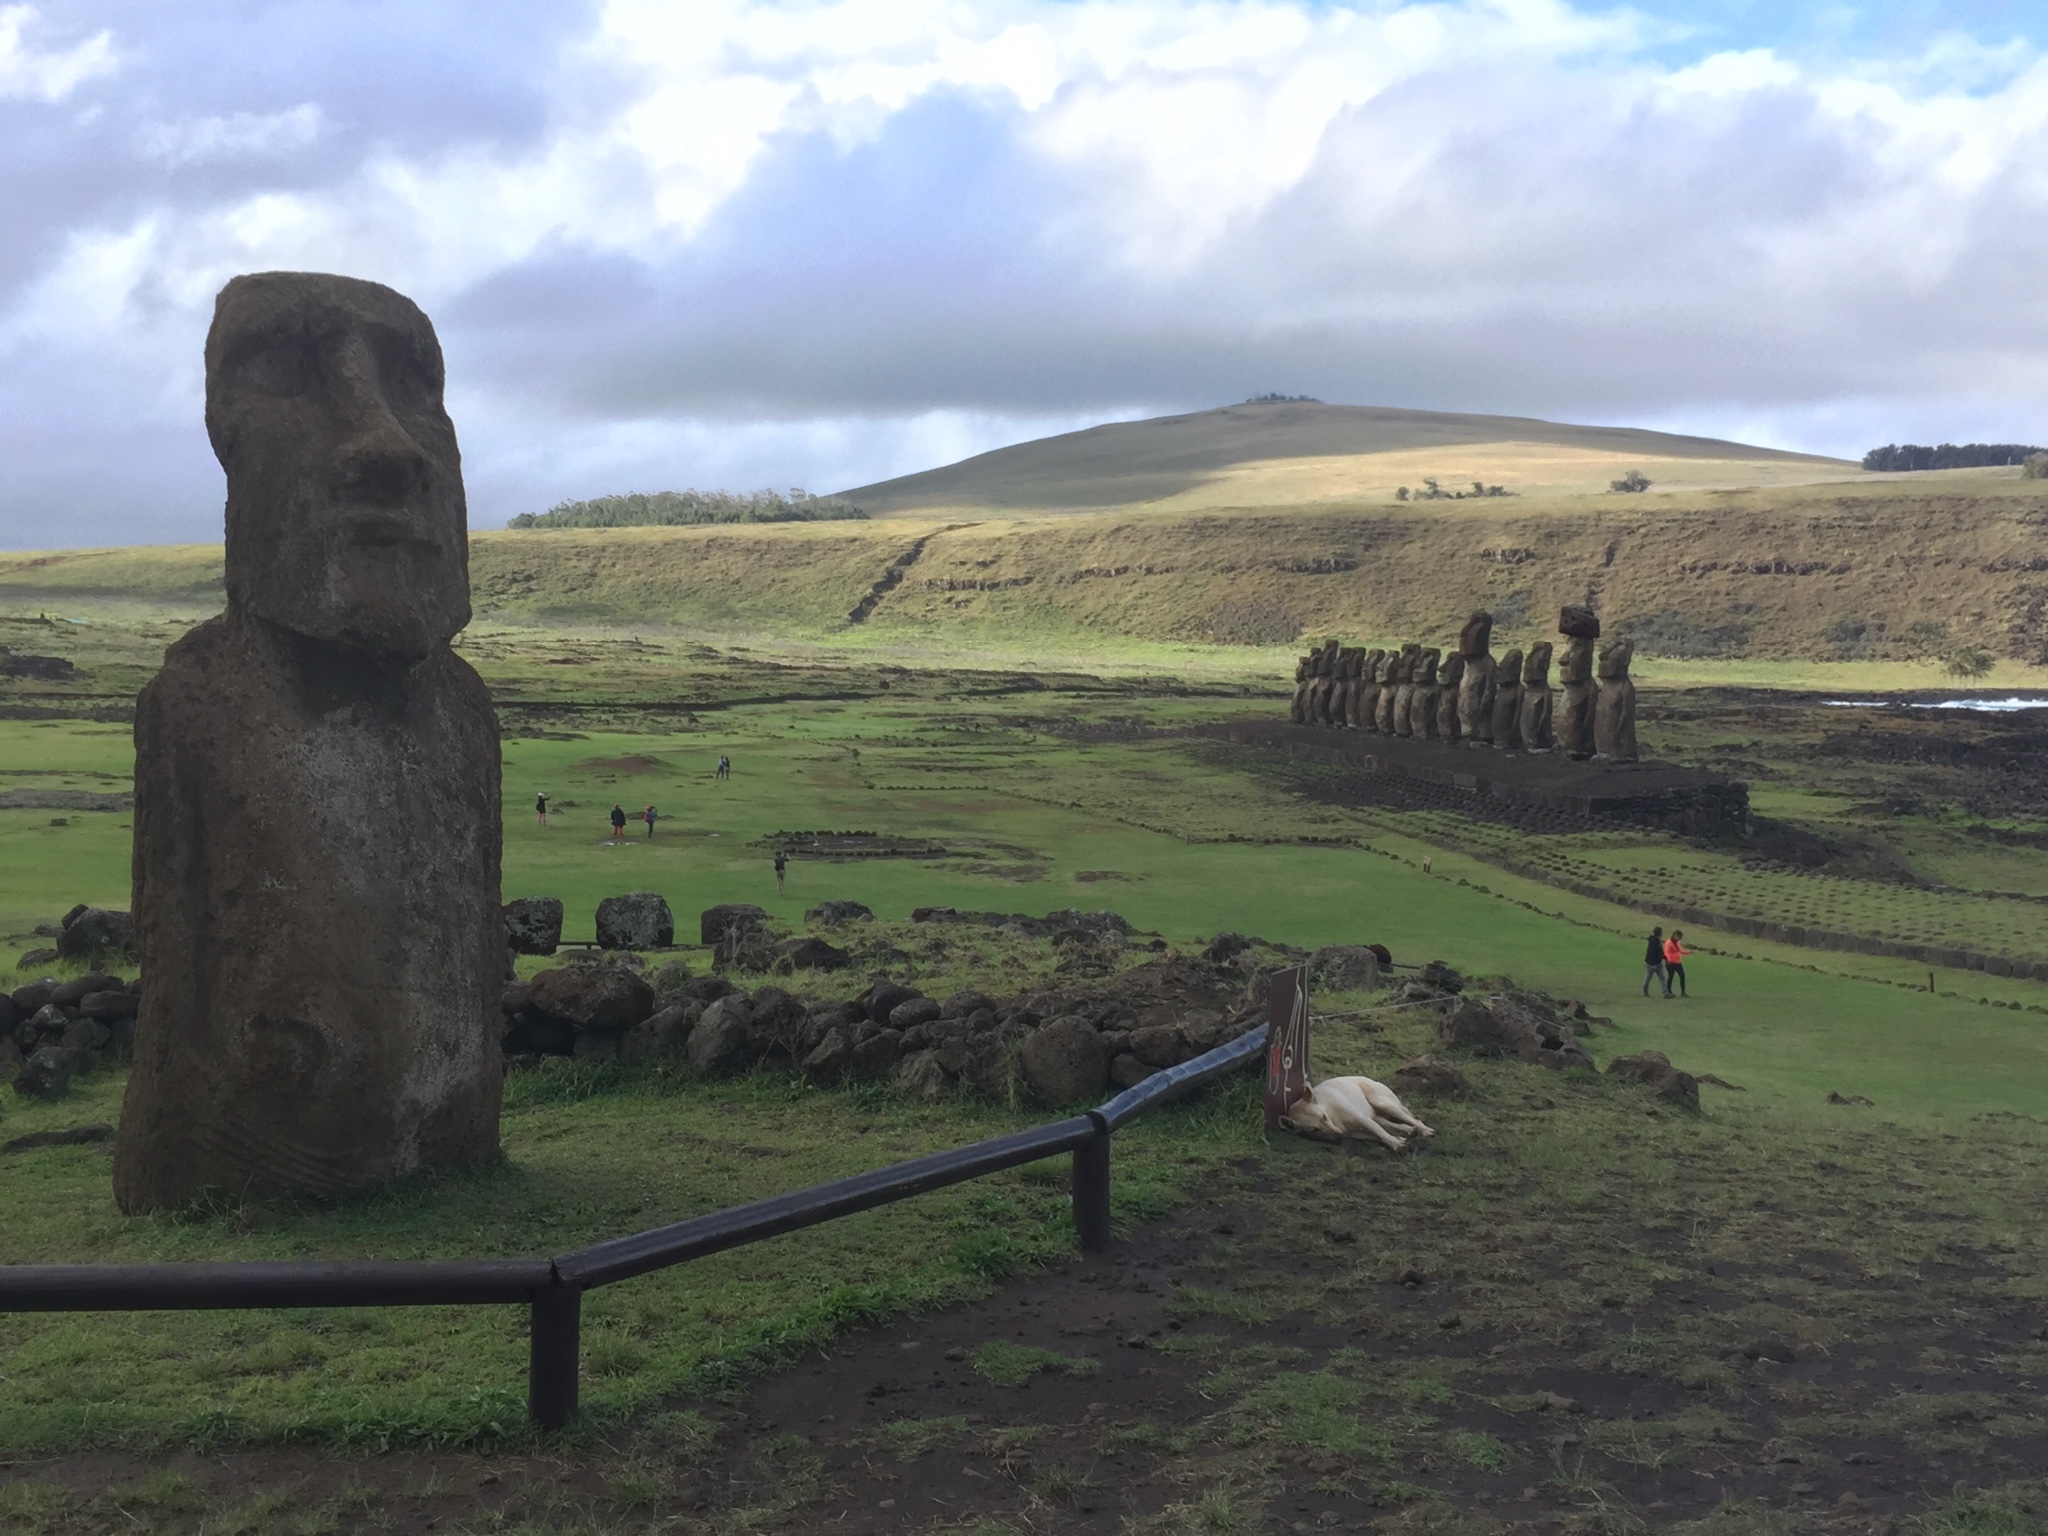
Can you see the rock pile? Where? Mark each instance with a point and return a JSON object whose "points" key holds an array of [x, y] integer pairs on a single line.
{"points": [[52, 1031], [1531, 1026], [1057, 1047]]}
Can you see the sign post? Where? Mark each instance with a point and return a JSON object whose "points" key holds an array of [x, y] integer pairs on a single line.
{"points": [[1286, 1043]]}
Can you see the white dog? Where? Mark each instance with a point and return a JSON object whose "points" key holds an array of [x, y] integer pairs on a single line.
{"points": [[1350, 1106]]}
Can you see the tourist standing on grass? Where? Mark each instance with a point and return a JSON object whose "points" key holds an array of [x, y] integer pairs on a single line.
{"points": [[1653, 962], [724, 767], [540, 806], [781, 869], [618, 822], [1674, 963], [649, 817]]}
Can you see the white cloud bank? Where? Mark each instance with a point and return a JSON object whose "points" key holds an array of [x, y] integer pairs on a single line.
{"points": [[737, 243]]}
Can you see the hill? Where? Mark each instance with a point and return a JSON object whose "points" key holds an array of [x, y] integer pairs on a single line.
{"points": [[1290, 452]]}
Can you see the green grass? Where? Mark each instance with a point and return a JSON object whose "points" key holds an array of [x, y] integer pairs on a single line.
{"points": [[1011, 1365]]}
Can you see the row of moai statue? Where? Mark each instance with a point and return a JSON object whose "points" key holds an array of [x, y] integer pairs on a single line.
{"points": [[1467, 696]]}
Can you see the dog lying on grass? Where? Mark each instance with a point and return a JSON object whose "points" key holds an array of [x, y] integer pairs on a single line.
{"points": [[1338, 1107]]}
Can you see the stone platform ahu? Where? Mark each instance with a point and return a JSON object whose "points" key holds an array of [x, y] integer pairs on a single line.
{"points": [[317, 815], [1410, 715]]}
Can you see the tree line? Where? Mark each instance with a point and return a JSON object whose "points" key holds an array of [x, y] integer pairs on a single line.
{"points": [[1902, 456], [681, 509]]}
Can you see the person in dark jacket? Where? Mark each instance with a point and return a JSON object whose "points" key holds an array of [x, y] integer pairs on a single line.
{"points": [[618, 822], [1653, 963]]}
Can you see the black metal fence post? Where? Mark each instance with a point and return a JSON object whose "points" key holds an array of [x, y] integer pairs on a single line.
{"points": [[556, 1346], [1091, 1189]]}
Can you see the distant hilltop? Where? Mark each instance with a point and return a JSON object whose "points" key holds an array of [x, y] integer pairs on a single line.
{"points": [[1276, 451]]}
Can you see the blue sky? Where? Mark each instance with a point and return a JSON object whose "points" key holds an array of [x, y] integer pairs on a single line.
{"points": [[737, 242]]}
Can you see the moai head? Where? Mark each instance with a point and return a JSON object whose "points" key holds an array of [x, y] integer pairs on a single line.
{"points": [[345, 515], [1536, 670], [1579, 623], [1614, 659], [1301, 668], [1369, 669], [1330, 651], [1353, 659], [1510, 669], [1426, 659], [1476, 638], [1451, 671], [1411, 663], [1576, 664], [1385, 671]]}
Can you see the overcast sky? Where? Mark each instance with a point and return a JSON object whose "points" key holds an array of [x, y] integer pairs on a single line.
{"points": [[728, 245]]}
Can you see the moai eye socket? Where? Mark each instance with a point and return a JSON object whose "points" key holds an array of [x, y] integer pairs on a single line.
{"points": [[280, 366]]}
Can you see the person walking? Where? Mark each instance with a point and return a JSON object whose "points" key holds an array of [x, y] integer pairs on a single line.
{"points": [[1674, 963], [781, 869], [618, 822], [650, 818], [540, 806], [1653, 962]]}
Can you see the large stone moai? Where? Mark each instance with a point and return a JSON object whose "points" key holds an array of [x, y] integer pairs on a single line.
{"points": [[1304, 679], [1476, 682], [1422, 702], [317, 814], [1507, 703], [1448, 675], [1368, 706], [1580, 628], [1536, 700], [1614, 709], [1405, 669], [1346, 711], [1326, 684]]}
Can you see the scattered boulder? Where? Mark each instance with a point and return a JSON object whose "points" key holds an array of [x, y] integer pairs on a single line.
{"points": [[812, 954], [988, 1067], [722, 1041], [778, 1022], [1428, 1075], [831, 1057], [1851, 1098], [921, 1076], [874, 1056], [1159, 1045], [71, 993], [533, 925], [1468, 1025], [966, 1004], [604, 998], [883, 998], [1535, 1033], [1440, 976], [833, 913], [36, 959], [716, 923], [912, 1012], [1127, 1071], [1066, 1061], [637, 920], [47, 1074], [1226, 947], [107, 1007], [745, 949], [1654, 1071], [97, 933], [661, 1036], [1345, 968]]}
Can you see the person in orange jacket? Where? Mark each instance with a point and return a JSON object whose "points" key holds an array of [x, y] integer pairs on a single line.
{"points": [[1674, 963]]}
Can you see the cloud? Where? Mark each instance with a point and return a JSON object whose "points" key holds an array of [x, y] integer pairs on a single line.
{"points": [[824, 241], [47, 74]]}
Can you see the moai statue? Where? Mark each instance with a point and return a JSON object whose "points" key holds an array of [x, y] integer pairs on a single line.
{"points": [[317, 815], [1476, 683], [1575, 679], [1423, 702], [1614, 710], [1536, 701], [1392, 674], [1326, 687], [1345, 713], [1507, 703], [1304, 677], [1368, 707], [1404, 693], [1448, 676]]}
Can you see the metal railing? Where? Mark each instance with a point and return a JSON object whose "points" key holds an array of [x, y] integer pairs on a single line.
{"points": [[553, 1288]]}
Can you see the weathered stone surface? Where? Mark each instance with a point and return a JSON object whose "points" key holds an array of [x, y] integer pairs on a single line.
{"points": [[1127, 1071], [1654, 1071], [1614, 708], [1422, 692], [913, 1011], [1579, 623], [987, 1066], [1507, 703], [1450, 677], [829, 1058], [1160, 1045], [661, 1036], [832, 913], [722, 1040], [1575, 717], [636, 920], [874, 1056], [1468, 1025], [320, 744], [533, 925], [107, 1007], [716, 922], [71, 993], [1344, 968], [920, 1076], [1370, 672], [1066, 1061], [810, 953], [1537, 1036], [884, 996], [966, 1003], [47, 1073], [96, 933], [1476, 680], [1536, 701], [605, 998], [1427, 1075]]}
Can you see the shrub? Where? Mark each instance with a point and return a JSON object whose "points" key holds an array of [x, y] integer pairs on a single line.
{"points": [[1633, 483], [679, 509], [2035, 467], [1970, 661]]}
